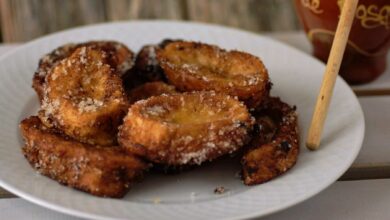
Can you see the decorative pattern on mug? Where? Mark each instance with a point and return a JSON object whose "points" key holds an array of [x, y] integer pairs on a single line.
{"points": [[311, 35], [371, 16], [313, 5]]}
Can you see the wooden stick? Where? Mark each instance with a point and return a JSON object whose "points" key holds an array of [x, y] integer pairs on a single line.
{"points": [[330, 75]]}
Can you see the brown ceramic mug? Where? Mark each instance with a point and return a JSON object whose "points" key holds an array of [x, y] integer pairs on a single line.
{"points": [[369, 41]]}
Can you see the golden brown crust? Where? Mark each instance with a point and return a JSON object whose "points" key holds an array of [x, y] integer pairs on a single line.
{"points": [[101, 171], [185, 129], [192, 66], [120, 58], [274, 148], [84, 97], [46, 63], [150, 89]]}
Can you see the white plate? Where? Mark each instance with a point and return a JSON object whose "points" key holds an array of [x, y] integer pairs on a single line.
{"points": [[296, 79]]}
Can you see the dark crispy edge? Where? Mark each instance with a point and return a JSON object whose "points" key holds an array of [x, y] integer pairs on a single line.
{"points": [[269, 157], [146, 66], [43, 145]]}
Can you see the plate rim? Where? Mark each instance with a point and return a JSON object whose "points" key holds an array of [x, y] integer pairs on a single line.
{"points": [[261, 212]]}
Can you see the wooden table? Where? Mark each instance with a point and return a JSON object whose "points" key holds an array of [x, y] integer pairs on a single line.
{"points": [[363, 192]]}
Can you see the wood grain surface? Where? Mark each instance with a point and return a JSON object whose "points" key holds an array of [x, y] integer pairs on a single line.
{"points": [[23, 20]]}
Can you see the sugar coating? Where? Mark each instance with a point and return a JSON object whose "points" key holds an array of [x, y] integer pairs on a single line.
{"points": [[224, 134], [89, 105]]}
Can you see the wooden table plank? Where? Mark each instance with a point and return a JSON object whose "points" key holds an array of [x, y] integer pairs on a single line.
{"points": [[347, 200], [145, 9], [23, 20], [373, 160], [380, 86], [245, 14], [376, 144]]}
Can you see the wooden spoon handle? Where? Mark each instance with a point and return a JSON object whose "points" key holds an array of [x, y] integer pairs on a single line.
{"points": [[330, 75]]}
